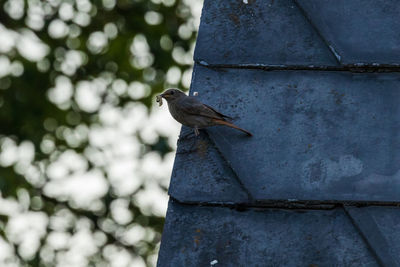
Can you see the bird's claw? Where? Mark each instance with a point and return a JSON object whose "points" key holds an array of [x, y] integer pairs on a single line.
{"points": [[186, 135]]}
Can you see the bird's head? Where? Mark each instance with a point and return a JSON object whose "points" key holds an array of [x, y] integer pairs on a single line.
{"points": [[172, 94]]}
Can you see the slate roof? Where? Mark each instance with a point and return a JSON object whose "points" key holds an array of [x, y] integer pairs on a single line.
{"points": [[318, 84]]}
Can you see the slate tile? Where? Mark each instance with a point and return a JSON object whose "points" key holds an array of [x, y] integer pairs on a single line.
{"points": [[261, 32], [371, 232], [360, 31], [197, 236], [388, 222], [200, 174], [324, 136]]}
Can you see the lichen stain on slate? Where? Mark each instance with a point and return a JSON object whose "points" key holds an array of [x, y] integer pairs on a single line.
{"points": [[319, 172], [380, 183]]}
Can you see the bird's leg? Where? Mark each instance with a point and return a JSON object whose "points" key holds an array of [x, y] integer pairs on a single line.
{"points": [[186, 135], [196, 134]]}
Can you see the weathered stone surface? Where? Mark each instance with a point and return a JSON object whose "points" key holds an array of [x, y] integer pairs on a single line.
{"points": [[388, 221], [380, 228], [260, 32], [200, 174], [197, 236], [360, 31], [325, 136], [330, 137]]}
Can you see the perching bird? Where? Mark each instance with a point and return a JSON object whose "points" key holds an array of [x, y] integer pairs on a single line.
{"points": [[191, 112]]}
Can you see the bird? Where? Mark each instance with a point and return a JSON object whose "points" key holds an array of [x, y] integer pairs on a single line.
{"points": [[189, 111]]}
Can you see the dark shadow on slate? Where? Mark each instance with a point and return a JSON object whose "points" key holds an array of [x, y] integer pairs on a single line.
{"points": [[196, 236], [361, 31], [376, 235], [262, 32], [201, 175], [323, 136]]}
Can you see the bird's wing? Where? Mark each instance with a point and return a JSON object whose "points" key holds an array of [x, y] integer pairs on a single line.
{"points": [[219, 113], [193, 106]]}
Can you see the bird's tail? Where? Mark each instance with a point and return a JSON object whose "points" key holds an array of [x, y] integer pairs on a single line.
{"points": [[226, 123]]}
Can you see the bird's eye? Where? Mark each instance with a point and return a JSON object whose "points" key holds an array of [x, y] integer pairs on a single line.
{"points": [[172, 92]]}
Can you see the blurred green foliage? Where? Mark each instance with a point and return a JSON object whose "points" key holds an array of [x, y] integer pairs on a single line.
{"points": [[61, 62]]}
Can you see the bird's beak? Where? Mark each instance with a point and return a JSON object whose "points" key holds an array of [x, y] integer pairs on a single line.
{"points": [[164, 95]]}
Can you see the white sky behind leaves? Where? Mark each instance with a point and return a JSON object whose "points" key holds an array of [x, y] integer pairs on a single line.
{"points": [[113, 146]]}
